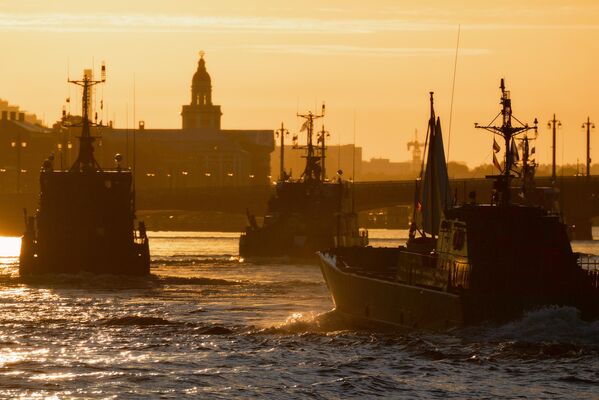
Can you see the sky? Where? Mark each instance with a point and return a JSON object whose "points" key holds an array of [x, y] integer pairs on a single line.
{"points": [[372, 62]]}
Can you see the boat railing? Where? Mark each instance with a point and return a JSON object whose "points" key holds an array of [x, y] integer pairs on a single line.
{"points": [[425, 270], [589, 264], [421, 270]]}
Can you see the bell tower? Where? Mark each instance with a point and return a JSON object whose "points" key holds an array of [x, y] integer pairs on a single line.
{"points": [[201, 113]]}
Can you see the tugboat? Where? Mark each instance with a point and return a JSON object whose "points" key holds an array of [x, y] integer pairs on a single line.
{"points": [[85, 220], [308, 214], [464, 264]]}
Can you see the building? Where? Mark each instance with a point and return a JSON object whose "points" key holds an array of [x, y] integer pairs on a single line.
{"points": [[383, 169], [14, 113], [346, 158], [199, 153], [24, 144]]}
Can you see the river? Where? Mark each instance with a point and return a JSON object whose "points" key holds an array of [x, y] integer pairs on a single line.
{"points": [[206, 325]]}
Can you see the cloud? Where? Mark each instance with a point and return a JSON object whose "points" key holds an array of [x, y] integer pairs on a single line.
{"points": [[336, 50], [172, 23], [69, 22]]}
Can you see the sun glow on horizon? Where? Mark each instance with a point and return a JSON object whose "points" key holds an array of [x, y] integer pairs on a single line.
{"points": [[373, 63], [10, 246]]}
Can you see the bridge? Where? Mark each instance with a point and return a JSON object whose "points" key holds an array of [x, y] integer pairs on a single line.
{"points": [[578, 198]]}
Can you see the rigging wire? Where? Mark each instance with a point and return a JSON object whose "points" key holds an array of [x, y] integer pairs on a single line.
{"points": [[353, 172], [134, 130], [455, 68]]}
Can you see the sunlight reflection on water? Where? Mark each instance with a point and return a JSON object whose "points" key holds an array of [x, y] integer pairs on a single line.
{"points": [[206, 325], [10, 247]]}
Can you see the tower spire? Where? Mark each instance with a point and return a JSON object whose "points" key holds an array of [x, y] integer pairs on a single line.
{"points": [[200, 113]]}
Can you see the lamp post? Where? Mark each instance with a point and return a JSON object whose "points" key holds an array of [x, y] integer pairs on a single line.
{"points": [[553, 124], [588, 125]]}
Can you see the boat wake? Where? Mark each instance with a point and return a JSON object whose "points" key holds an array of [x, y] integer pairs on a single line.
{"points": [[110, 282], [188, 260], [550, 324], [86, 280], [301, 323], [176, 280]]}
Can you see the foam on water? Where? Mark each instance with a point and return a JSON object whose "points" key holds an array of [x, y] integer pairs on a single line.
{"points": [[550, 324]]}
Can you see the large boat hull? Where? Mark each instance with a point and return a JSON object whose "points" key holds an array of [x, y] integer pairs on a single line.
{"points": [[85, 223], [134, 260], [369, 300]]}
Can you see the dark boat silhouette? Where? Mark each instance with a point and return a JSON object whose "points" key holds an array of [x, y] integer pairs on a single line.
{"points": [[468, 263], [308, 214], [85, 220]]}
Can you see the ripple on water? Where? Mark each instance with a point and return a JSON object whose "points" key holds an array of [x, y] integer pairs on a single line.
{"points": [[207, 326]]}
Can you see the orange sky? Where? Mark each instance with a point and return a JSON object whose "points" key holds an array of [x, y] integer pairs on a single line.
{"points": [[376, 60]]}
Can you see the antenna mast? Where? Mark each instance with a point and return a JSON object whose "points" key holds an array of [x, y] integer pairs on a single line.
{"points": [[282, 132], [85, 160], [313, 171], [323, 134], [508, 132]]}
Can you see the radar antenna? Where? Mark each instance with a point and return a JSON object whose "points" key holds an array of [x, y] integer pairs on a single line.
{"points": [[85, 160]]}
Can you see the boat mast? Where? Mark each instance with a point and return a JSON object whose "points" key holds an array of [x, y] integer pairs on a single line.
{"points": [[431, 160], [282, 132], [313, 171], [508, 132], [85, 160], [322, 139]]}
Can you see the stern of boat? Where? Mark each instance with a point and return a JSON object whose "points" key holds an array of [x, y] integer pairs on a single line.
{"points": [[28, 257]]}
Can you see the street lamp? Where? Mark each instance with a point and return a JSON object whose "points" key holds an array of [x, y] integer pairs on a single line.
{"points": [[18, 145], [553, 124], [589, 125]]}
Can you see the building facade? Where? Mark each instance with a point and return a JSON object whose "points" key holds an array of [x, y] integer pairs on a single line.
{"points": [[199, 153]]}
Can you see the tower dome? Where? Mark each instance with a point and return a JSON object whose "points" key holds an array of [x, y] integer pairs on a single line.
{"points": [[201, 86], [201, 113]]}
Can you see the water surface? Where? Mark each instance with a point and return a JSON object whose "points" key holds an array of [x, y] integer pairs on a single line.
{"points": [[205, 325]]}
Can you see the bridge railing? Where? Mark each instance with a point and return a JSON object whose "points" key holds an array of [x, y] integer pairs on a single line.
{"points": [[589, 263]]}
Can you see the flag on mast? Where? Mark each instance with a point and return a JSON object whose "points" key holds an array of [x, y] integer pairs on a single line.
{"points": [[496, 147], [305, 126], [496, 163], [515, 154]]}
